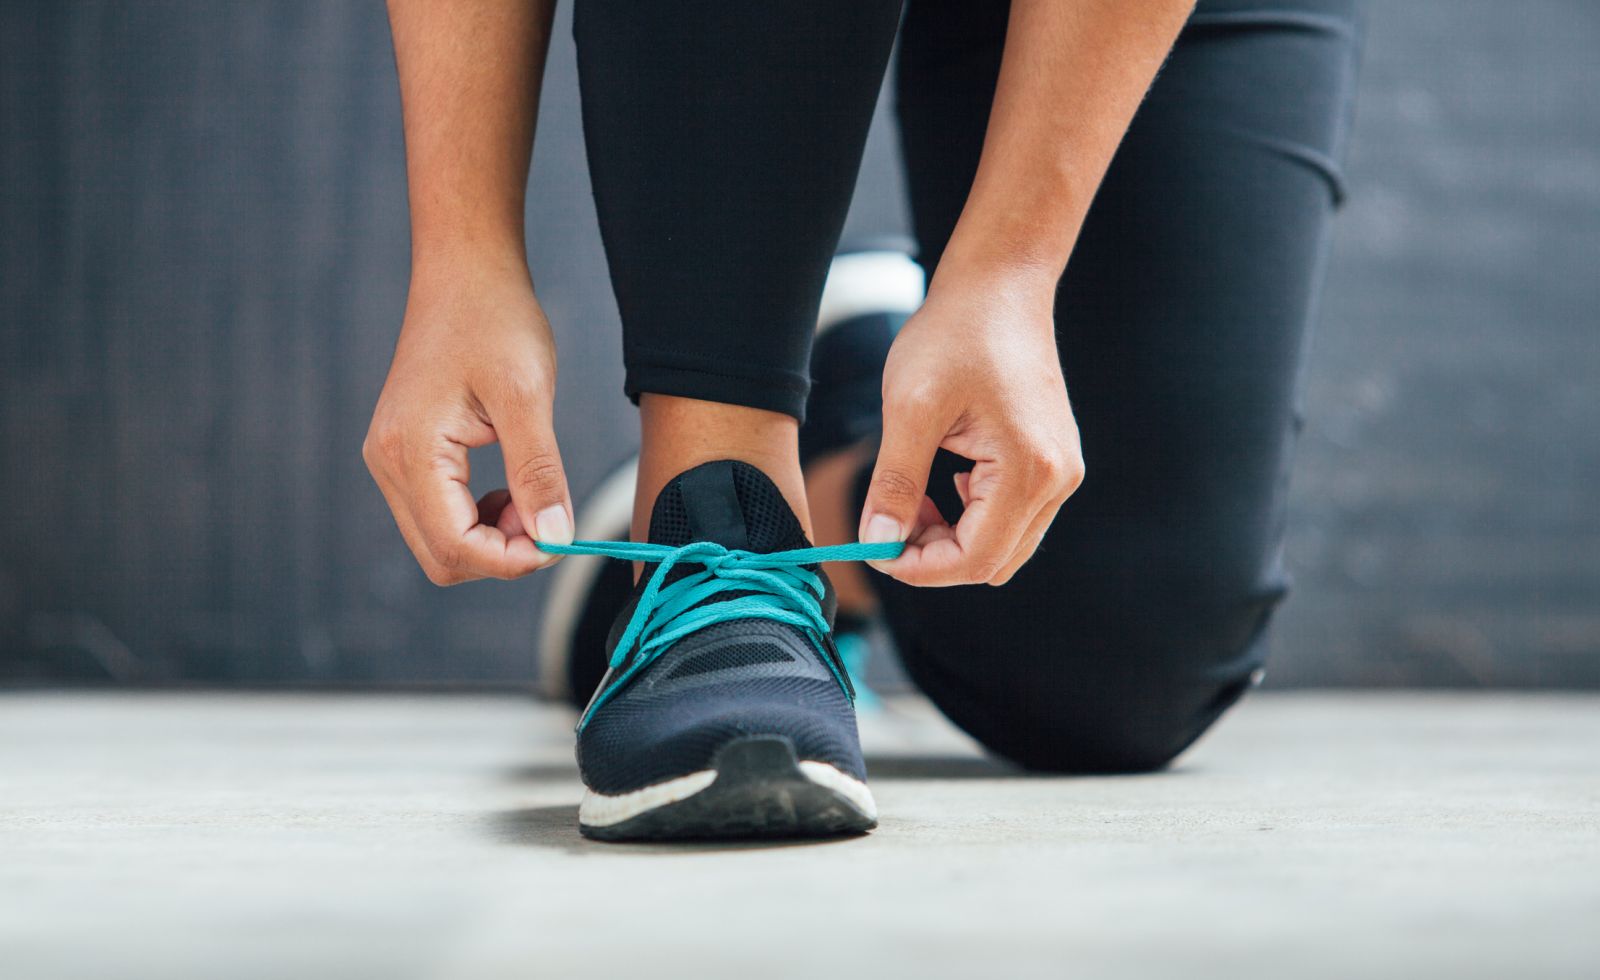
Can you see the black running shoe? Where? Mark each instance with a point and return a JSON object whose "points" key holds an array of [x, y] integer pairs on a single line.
{"points": [[870, 292], [740, 727]]}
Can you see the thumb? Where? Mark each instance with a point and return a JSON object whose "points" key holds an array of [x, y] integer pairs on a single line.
{"points": [[911, 436], [534, 473]]}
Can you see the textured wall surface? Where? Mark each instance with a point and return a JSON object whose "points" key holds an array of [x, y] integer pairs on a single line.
{"points": [[203, 256], [1446, 519]]}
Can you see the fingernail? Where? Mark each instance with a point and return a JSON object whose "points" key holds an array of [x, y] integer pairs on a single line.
{"points": [[553, 526], [882, 529]]}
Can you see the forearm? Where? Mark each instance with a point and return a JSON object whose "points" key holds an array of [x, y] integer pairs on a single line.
{"points": [[1073, 73], [470, 72]]}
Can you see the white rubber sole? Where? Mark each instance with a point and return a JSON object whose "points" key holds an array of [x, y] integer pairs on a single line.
{"points": [[600, 810], [757, 789], [842, 783]]}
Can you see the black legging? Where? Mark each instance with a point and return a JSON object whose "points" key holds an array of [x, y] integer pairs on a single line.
{"points": [[724, 139]]}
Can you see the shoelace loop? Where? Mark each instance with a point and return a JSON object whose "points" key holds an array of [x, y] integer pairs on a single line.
{"points": [[777, 587]]}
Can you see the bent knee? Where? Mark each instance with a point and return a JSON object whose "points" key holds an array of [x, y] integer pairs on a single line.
{"points": [[1115, 674], [1108, 731]]}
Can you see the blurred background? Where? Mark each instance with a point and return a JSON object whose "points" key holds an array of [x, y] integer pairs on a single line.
{"points": [[203, 262]]}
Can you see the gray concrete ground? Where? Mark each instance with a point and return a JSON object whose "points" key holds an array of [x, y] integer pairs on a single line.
{"points": [[274, 836]]}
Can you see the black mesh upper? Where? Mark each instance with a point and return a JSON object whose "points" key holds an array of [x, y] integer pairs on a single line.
{"points": [[743, 653], [746, 677], [768, 522]]}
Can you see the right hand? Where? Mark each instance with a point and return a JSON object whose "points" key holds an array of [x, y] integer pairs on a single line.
{"points": [[475, 364], [976, 372]]}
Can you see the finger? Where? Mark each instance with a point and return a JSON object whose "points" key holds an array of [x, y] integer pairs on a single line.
{"points": [[495, 510], [461, 549], [1033, 539], [521, 416], [403, 520], [931, 530], [928, 527], [912, 432], [1028, 545], [419, 486], [984, 538]]}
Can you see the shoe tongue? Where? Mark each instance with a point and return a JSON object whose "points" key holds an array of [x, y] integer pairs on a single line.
{"points": [[728, 502]]}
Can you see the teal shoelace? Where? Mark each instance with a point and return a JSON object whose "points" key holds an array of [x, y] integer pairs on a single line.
{"points": [[777, 585]]}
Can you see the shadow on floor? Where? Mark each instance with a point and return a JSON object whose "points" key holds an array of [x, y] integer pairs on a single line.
{"points": [[556, 827], [883, 767], [943, 767]]}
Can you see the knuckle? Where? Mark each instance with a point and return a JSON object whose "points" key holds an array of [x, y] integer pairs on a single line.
{"points": [[1045, 464], [1075, 474], [439, 575], [450, 558], [896, 487], [987, 569], [384, 446], [912, 400], [521, 392], [1052, 470], [540, 476]]}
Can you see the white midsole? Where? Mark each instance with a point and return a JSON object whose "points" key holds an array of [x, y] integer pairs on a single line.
{"points": [[600, 810], [844, 784]]}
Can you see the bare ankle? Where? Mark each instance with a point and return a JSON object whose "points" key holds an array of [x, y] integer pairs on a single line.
{"points": [[678, 434]]}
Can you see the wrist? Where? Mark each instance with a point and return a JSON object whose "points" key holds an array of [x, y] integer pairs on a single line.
{"points": [[451, 229], [1008, 263], [442, 262], [1013, 281]]}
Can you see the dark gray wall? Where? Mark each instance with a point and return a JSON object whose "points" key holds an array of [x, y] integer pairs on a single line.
{"points": [[202, 268], [1446, 523]]}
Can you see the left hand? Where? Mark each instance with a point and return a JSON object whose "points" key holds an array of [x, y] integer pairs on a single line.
{"points": [[976, 372]]}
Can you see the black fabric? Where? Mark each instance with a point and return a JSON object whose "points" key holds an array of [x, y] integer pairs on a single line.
{"points": [[711, 501], [1182, 322], [846, 401], [591, 636], [766, 522], [669, 723], [729, 656], [750, 677], [723, 137]]}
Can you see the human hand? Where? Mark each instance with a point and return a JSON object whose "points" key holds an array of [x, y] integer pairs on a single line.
{"points": [[475, 364], [976, 372]]}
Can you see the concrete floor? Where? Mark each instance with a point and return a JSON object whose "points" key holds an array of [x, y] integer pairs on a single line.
{"points": [[396, 837]]}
